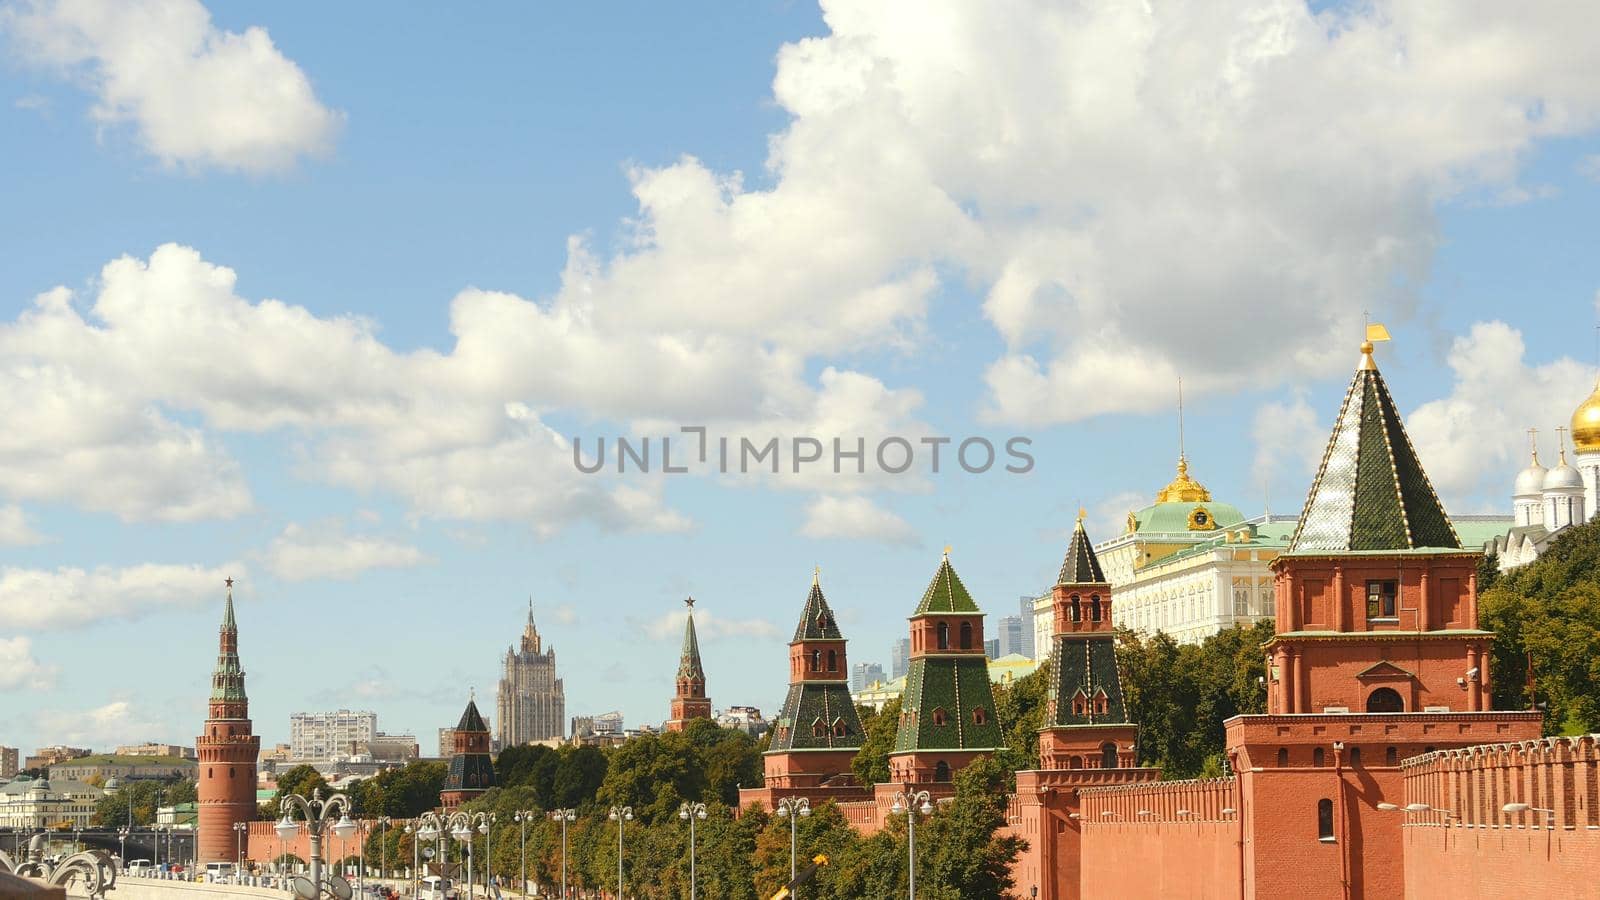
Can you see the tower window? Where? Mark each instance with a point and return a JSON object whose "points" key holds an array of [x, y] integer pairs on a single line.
{"points": [[816, 660], [1077, 609], [1108, 755], [1325, 820], [1381, 600], [1319, 757], [1283, 757], [944, 635], [941, 772], [1094, 607], [839, 729], [966, 635], [979, 716], [818, 729], [833, 661], [1391, 756], [1355, 756], [938, 715]]}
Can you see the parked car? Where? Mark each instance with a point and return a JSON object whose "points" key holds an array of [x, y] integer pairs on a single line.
{"points": [[219, 871], [140, 868]]}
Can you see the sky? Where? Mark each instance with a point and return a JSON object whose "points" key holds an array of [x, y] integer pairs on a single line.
{"points": [[320, 297]]}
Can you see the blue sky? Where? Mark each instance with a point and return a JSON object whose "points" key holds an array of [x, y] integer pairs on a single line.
{"points": [[488, 232]]}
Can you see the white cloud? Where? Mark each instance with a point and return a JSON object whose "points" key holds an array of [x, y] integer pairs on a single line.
{"points": [[19, 670], [66, 597], [856, 518], [117, 722], [326, 551], [708, 626], [1108, 517], [1474, 441], [1289, 444], [16, 530], [194, 94]]}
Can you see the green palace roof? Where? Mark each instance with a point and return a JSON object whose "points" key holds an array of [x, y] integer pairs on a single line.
{"points": [[1174, 517]]}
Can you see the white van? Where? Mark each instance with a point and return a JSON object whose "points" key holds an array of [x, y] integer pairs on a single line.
{"points": [[140, 868], [433, 888], [219, 871]]}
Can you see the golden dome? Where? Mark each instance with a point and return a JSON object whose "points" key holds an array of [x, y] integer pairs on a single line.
{"points": [[1586, 423], [1184, 489]]}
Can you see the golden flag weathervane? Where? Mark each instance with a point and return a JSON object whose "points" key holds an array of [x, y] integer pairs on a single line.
{"points": [[1375, 332]]}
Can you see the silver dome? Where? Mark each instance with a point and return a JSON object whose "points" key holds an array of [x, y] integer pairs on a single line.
{"points": [[1563, 478], [1530, 481]]}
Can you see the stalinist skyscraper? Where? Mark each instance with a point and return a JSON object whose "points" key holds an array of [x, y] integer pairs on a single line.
{"points": [[531, 704]]}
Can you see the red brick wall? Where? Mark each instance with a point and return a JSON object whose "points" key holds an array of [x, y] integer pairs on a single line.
{"points": [[1161, 854]]}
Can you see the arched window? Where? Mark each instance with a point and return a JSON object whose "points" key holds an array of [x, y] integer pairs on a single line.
{"points": [[209, 772], [1094, 607], [941, 772], [938, 715], [1108, 755], [979, 716], [230, 771], [944, 635], [1283, 757], [816, 660], [966, 635], [818, 729], [1355, 757], [1391, 756], [1075, 762], [1318, 757], [1324, 820], [1077, 609], [1385, 700], [833, 660], [839, 729]]}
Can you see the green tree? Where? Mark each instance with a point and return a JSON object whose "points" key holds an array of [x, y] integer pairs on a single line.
{"points": [[1020, 706], [144, 796], [871, 762]]}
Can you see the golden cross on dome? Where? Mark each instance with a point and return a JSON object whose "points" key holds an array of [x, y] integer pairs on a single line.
{"points": [[1533, 443]]}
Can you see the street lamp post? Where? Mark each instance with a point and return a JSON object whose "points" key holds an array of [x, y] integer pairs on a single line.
{"points": [[122, 836], [689, 812], [521, 818], [912, 803], [316, 812], [794, 809], [564, 816], [416, 859], [620, 815], [239, 828]]}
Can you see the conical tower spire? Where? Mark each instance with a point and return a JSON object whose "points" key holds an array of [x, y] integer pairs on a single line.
{"points": [[1080, 566], [689, 657], [816, 619], [227, 679], [1370, 493]]}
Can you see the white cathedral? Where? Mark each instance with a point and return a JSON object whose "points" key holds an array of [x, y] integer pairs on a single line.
{"points": [[1544, 501]]}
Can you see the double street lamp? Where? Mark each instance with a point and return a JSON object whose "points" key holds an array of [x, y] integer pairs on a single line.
{"points": [[316, 812], [794, 809], [565, 817], [522, 817], [689, 812], [620, 815], [122, 836], [239, 829], [911, 803]]}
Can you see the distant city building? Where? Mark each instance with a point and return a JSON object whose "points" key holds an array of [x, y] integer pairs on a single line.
{"points": [[876, 694], [104, 767], [471, 770], [400, 748], [29, 804], [744, 718], [447, 743], [591, 726], [183, 815], [45, 757], [863, 674], [991, 648], [1029, 646], [8, 762], [1013, 637], [331, 734], [177, 750], [531, 704], [900, 658]]}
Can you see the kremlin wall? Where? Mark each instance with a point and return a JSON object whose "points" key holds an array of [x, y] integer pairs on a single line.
{"points": [[1378, 770]]}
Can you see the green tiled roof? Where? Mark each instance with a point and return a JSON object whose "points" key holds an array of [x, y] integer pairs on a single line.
{"points": [[1173, 518], [1370, 493], [810, 704], [816, 619], [1088, 665], [1081, 566], [946, 593], [689, 657], [958, 685]]}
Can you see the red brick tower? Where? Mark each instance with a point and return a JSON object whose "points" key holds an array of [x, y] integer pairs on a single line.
{"points": [[1377, 657], [1087, 740], [227, 751], [690, 701], [818, 731], [471, 770]]}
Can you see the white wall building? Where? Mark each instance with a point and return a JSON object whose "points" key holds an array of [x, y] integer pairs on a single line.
{"points": [[331, 734]]}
